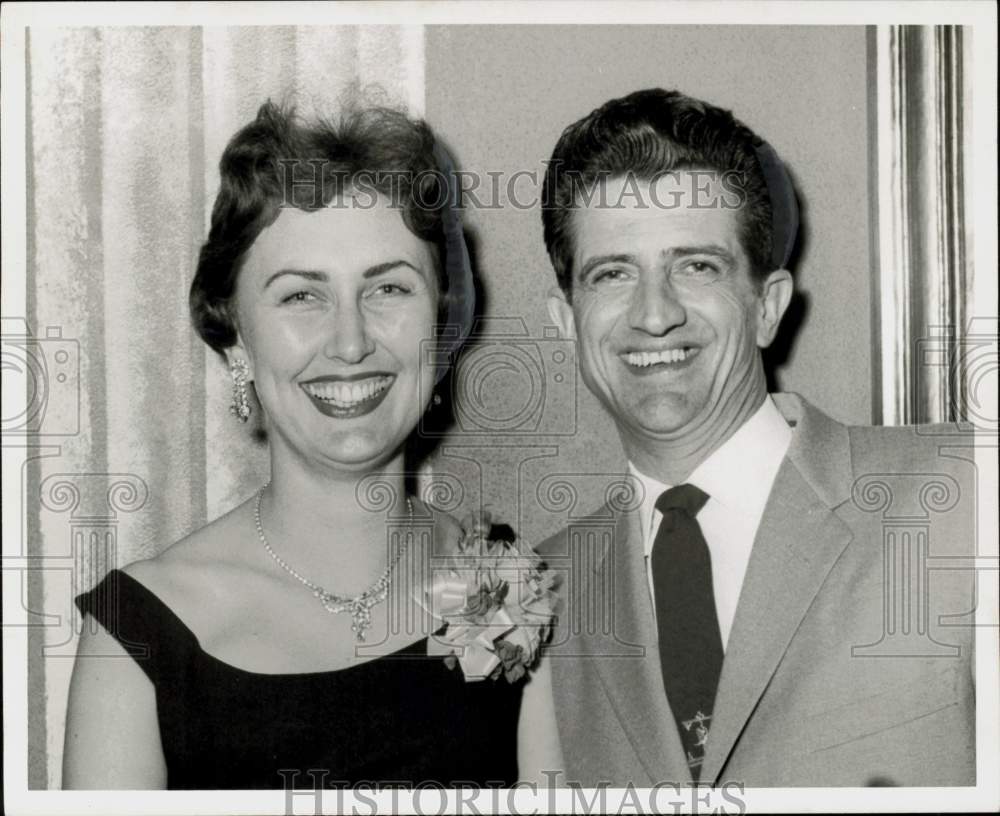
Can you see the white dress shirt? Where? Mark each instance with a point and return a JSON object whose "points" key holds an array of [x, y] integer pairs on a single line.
{"points": [[737, 477]]}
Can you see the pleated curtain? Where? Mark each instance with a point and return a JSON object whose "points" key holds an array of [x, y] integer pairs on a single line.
{"points": [[124, 134]]}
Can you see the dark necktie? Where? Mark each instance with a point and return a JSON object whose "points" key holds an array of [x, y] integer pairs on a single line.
{"points": [[690, 641]]}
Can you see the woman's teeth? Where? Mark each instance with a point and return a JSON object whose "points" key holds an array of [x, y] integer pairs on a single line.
{"points": [[641, 359], [346, 394]]}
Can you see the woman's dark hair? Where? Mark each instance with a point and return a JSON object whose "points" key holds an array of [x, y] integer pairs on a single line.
{"points": [[644, 134], [278, 161]]}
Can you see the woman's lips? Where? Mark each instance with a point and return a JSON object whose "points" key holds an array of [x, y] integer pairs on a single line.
{"points": [[349, 397]]}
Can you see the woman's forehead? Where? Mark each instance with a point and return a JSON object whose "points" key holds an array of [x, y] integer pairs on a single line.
{"points": [[348, 235]]}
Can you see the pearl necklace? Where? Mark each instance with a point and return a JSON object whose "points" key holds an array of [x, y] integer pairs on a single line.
{"points": [[359, 606]]}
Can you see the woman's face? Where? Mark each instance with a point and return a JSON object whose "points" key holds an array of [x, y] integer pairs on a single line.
{"points": [[332, 308]]}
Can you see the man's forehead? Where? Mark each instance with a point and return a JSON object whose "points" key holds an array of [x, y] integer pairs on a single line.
{"points": [[670, 189], [683, 208]]}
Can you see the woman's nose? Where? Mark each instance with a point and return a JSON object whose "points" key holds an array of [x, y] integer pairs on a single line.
{"points": [[349, 340], [656, 308]]}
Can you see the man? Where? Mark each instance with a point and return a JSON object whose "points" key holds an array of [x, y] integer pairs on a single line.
{"points": [[774, 619]]}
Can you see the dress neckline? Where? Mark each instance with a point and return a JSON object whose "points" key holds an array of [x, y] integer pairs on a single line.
{"points": [[411, 651]]}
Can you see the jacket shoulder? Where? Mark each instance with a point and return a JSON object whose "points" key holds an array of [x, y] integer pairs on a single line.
{"points": [[558, 543], [909, 448], [924, 474]]}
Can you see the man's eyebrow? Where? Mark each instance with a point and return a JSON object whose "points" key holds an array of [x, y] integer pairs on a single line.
{"points": [[597, 260], [717, 250]]}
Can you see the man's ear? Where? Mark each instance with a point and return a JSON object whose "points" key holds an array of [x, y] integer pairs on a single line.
{"points": [[776, 294], [562, 313], [238, 351]]}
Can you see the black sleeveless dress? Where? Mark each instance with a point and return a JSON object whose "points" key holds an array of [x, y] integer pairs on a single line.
{"points": [[403, 718]]}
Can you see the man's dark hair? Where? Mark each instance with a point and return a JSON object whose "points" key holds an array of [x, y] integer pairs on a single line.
{"points": [[645, 134], [278, 161]]}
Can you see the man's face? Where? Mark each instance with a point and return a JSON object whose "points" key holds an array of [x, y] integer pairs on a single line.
{"points": [[666, 315]]}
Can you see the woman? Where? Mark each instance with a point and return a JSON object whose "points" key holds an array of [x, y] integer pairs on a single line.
{"points": [[330, 260]]}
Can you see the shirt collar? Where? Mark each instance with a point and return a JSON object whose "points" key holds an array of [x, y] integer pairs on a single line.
{"points": [[651, 491], [738, 474]]}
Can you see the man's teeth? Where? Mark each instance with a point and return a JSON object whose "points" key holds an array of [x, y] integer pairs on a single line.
{"points": [[641, 359], [346, 394]]}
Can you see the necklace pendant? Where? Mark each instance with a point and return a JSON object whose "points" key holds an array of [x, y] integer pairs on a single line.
{"points": [[359, 606], [361, 619]]}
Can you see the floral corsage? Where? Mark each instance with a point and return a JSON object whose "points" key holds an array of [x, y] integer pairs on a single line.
{"points": [[497, 602]]}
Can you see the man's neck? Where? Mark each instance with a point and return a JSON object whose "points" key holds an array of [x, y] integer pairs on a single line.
{"points": [[672, 461]]}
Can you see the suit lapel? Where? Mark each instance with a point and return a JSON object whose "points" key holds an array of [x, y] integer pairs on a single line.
{"points": [[796, 546], [634, 683]]}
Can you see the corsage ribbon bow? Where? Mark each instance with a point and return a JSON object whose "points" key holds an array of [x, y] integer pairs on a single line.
{"points": [[487, 632]]}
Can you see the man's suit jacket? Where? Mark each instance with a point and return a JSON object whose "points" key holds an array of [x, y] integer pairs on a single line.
{"points": [[849, 662]]}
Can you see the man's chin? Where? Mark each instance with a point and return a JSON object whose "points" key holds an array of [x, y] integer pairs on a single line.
{"points": [[658, 415]]}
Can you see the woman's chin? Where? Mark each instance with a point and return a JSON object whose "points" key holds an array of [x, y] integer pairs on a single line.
{"points": [[353, 446], [360, 452]]}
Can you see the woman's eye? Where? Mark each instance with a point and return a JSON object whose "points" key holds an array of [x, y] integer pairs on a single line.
{"points": [[298, 297], [390, 289]]}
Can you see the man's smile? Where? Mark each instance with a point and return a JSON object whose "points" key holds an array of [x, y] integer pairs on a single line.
{"points": [[663, 360]]}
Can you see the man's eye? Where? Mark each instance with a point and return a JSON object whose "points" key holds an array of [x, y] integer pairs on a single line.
{"points": [[699, 269], [610, 275]]}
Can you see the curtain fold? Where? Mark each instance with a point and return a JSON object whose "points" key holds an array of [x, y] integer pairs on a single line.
{"points": [[126, 127]]}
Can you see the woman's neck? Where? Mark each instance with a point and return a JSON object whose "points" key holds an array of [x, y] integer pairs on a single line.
{"points": [[333, 530]]}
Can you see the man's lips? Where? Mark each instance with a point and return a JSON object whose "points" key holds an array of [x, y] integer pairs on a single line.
{"points": [[351, 395], [644, 362]]}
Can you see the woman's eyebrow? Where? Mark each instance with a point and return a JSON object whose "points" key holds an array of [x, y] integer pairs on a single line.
{"points": [[308, 274], [388, 266], [319, 275]]}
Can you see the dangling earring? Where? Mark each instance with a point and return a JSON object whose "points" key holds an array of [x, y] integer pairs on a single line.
{"points": [[240, 406], [436, 399]]}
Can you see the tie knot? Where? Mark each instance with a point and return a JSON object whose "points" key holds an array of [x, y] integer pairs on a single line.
{"points": [[684, 497]]}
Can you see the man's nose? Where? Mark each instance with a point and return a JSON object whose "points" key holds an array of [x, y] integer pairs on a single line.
{"points": [[348, 339], [656, 307]]}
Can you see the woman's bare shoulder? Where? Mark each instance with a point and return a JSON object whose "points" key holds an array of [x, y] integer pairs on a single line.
{"points": [[198, 561]]}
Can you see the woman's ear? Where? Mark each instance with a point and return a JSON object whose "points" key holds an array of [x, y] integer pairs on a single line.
{"points": [[237, 352], [776, 294], [561, 313]]}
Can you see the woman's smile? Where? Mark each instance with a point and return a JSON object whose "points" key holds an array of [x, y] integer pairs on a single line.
{"points": [[346, 397]]}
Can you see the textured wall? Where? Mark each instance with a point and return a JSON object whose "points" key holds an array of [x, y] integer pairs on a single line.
{"points": [[501, 96]]}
